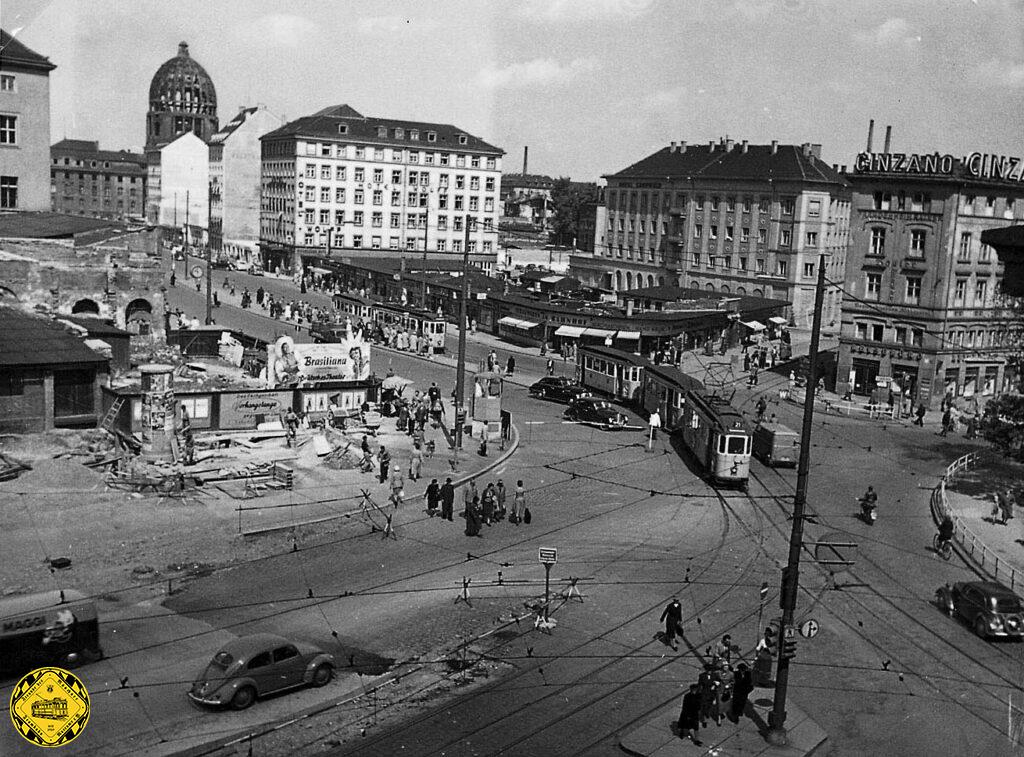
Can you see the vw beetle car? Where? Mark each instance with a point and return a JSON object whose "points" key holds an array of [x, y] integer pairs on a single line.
{"points": [[253, 666], [558, 388], [595, 412], [990, 608]]}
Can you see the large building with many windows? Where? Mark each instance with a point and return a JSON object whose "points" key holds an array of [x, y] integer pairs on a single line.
{"points": [[24, 126], [726, 217], [923, 309], [88, 181], [339, 182]]}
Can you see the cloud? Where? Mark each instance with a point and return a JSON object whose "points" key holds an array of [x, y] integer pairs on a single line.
{"points": [[539, 71], [893, 32], [662, 100], [999, 73], [590, 10], [389, 25], [280, 30]]}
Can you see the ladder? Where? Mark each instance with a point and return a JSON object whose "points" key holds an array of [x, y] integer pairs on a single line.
{"points": [[111, 416]]}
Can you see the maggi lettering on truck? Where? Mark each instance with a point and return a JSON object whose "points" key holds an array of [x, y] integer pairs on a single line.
{"points": [[50, 628]]}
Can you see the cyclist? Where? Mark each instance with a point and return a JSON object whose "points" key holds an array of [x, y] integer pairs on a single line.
{"points": [[870, 498], [945, 531]]}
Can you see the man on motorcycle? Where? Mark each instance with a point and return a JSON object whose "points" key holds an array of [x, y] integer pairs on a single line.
{"points": [[868, 503]]}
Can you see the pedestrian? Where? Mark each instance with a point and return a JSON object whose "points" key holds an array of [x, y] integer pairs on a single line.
{"points": [[743, 685], [972, 428], [654, 421], [672, 616], [384, 461], [723, 649], [447, 499], [469, 493], [473, 520], [500, 493], [919, 419], [510, 366], [1006, 506], [365, 445], [761, 408], [397, 487], [433, 497], [947, 421], [518, 504], [415, 462], [764, 651], [174, 277], [551, 367], [689, 715]]}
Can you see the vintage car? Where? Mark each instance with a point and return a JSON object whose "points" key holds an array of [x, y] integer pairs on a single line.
{"points": [[593, 411], [990, 608], [558, 388], [253, 666]]}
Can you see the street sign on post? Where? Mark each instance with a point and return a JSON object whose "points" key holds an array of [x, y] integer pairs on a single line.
{"points": [[548, 556], [809, 628]]}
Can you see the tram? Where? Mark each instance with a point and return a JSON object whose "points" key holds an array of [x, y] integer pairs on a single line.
{"points": [[356, 307], [612, 373], [718, 436], [420, 322]]}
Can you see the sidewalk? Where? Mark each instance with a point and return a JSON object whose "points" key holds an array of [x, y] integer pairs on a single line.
{"points": [[659, 736], [996, 550]]}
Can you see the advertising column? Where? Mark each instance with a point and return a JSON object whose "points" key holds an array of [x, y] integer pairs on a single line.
{"points": [[157, 411]]}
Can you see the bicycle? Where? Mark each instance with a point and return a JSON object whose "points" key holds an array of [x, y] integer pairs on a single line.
{"points": [[943, 547]]}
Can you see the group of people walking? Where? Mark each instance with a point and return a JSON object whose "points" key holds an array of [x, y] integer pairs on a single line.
{"points": [[491, 506]]}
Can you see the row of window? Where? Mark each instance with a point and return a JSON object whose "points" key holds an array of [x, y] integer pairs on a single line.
{"points": [[79, 176], [340, 195], [95, 190], [413, 220], [632, 200], [327, 172], [877, 332], [395, 155], [357, 241], [912, 291], [918, 240]]}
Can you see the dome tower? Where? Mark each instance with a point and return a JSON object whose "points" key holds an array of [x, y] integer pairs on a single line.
{"points": [[181, 99]]}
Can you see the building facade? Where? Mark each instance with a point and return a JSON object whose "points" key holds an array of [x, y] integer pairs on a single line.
{"points": [[725, 217], [178, 181], [338, 181], [182, 99], [24, 126], [924, 306], [88, 181], [235, 184]]}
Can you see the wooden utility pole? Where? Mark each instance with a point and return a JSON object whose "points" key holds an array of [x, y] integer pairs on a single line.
{"points": [[791, 573]]}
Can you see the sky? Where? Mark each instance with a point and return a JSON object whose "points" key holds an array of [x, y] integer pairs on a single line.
{"points": [[591, 86]]}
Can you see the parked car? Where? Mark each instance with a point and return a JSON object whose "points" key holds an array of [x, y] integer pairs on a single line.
{"points": [[990, 608], [595, 412], [558, 388], [322, 332], [253, 666]]}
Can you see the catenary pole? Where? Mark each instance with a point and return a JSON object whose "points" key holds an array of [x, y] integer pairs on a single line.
{"points": [[460, 370], [791, 574]]}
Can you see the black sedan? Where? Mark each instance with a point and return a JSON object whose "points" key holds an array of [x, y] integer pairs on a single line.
{"points": [[558, 388], [990, 608], [595, 412]]}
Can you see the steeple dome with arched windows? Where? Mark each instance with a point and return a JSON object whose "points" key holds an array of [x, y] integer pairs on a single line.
{"points": [[181, 99]]}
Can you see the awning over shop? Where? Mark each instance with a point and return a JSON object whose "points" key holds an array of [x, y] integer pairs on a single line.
{"points": [[777, 320], [573, 332], [628, 335], [754, 325], [602, 333], [317, 269], [517, 323]]}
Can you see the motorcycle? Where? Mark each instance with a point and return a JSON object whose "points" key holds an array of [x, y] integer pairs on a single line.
{"points": [[868, 511]]}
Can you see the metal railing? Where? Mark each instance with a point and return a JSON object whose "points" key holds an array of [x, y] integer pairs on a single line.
{"points": [[968, 541]]}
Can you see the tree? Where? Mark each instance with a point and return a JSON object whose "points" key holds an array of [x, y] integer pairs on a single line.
{"points": [[1002, 424], [567, 201]]}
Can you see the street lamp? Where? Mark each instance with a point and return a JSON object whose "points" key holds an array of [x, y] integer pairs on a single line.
{"points": [[460, 370]]}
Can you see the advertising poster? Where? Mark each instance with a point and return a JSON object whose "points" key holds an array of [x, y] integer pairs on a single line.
{"points": [[290, 364]]}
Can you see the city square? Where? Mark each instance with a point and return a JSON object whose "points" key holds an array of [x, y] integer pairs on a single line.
{"points": [[348, 434]]}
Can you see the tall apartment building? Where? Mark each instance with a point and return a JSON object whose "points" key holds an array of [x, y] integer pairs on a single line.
{"points": [[88, 181], [726, 217], [338, 182], [235, 184], [178, 182], [923, 305], [24, 126]]}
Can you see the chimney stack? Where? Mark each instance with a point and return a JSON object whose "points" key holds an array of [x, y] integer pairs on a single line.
{"points": [[888, 139], [671, 146], [711, 146], [526, 154], [682, 146], [775, 146], [743, 145], [729, 144], [871, 133], [816, 150]]}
